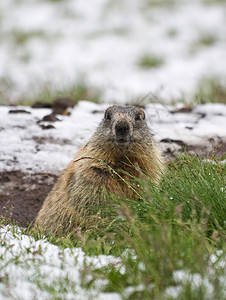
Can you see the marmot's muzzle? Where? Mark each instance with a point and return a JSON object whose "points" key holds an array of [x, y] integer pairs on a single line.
{"points": [[122, 131]]}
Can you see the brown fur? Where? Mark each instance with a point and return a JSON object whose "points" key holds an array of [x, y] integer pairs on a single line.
{"points": [[121, 148]]}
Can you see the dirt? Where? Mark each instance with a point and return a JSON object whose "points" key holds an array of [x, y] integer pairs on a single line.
{"points": [[22, 195], [213, 147]]}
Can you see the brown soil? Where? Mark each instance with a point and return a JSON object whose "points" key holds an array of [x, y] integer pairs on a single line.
{"points": [[22, 195]]}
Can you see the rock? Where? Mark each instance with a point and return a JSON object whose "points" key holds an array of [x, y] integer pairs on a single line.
{"points": [[45, 127], [185, 109], [40, 104], [97, 111], [61, 105], [49, 118], [179, 142], [19, 111]]}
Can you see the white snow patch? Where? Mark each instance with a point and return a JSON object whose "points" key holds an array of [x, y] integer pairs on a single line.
{"points": [[48, 45], [182, 277], [28, 266]]}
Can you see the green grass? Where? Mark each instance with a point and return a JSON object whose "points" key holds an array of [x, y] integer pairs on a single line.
{"points": [[47, 94], [172, 32], [118, 31], [80, 91], [210, 90], [148, 61], [159, 3], [22, 37], [214, 2], [56, 0], [206, 39], [174, 228], [5, 85]]}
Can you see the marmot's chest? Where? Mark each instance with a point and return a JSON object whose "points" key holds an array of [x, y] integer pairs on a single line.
{"points": [[117, 179], [113, 170]]}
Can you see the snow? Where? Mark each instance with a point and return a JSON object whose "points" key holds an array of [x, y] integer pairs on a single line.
{"points": [[196, 280], [46, 44], [40, 264]]}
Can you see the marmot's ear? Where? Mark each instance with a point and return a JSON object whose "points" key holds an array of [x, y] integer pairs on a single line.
{"points": [[107, 114], [142, 113]]}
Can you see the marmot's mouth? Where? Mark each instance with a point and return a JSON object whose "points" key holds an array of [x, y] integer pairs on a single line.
{"points": [[122, 140]]}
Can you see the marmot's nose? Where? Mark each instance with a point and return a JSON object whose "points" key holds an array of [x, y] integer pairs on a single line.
{"points": [[122, 129]]}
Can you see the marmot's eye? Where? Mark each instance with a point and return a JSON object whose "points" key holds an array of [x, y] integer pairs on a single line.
{"points": [[138, 117], [107, 116]]}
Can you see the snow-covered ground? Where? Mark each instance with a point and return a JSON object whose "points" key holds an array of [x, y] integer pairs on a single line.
{"points": [[25, 146], [106, 43], [41, 265]]}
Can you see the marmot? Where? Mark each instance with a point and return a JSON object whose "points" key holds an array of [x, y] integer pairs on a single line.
{"points": [[121, 149]]}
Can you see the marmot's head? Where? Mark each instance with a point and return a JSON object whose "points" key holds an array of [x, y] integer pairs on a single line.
{"points": [[123, 126]]}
